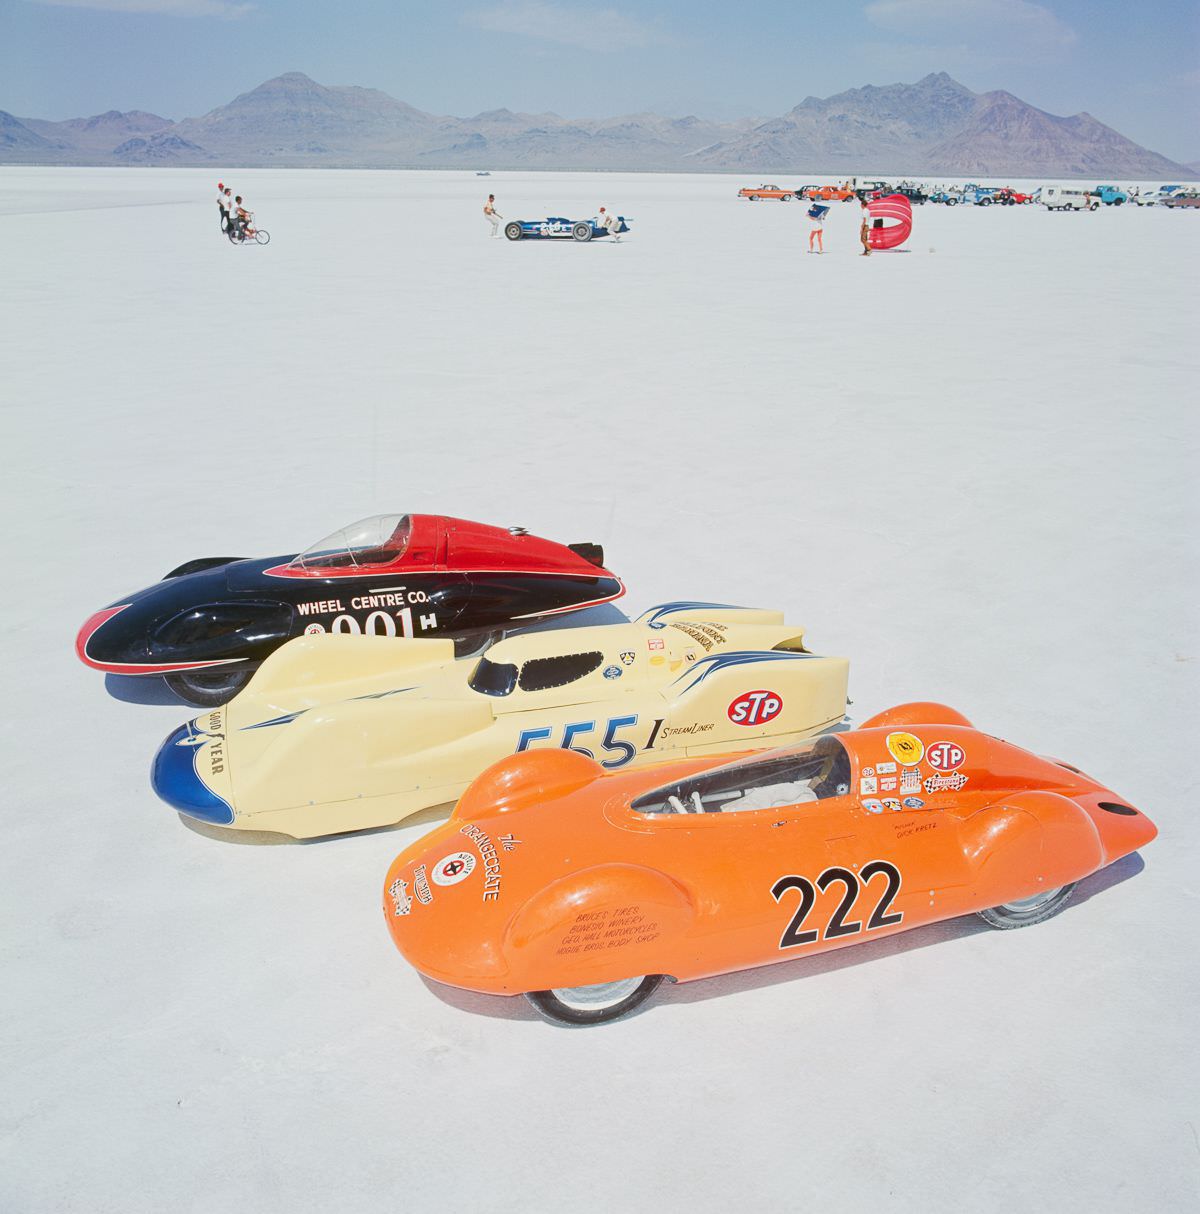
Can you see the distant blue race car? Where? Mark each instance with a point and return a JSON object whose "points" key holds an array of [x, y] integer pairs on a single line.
{"points": [[559, 228]]}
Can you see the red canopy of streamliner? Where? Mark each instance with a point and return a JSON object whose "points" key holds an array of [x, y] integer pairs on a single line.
{"points": [[896, 212]]}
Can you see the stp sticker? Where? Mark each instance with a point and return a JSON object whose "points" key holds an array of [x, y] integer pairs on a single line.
{"points": [[905, 748], [755, 708], [313, 629], [945, 756], [454, 868]]}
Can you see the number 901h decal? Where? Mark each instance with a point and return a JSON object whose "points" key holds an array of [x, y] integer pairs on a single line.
{"points": [[796, 933]]}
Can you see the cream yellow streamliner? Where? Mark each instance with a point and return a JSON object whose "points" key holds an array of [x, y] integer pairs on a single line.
{"points": [[342, 733]]}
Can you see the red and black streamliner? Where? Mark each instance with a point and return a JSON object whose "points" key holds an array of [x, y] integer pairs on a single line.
{"points": [[208, 624]]}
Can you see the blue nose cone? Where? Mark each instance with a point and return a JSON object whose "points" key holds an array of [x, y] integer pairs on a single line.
{"points": [[175, 780]]}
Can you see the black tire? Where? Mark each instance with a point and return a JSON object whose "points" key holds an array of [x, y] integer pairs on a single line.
{"points": [[753, 197], [985, 202], [785, 197], [513, 231], [231, 232], [1028, 911], [208, 688], [1117, 201], [1094, 207], [952, 202], [560, 1008], [581, 232], [262, 237]]}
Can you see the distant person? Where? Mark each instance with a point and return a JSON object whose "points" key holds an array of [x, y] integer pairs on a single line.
{"points": [[492, 215], [816, 231], [611, 224], [864, 232], [223, 205], [239, 217]]}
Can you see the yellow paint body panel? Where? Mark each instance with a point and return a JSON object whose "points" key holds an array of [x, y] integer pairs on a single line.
{"points": [[340, 733]]}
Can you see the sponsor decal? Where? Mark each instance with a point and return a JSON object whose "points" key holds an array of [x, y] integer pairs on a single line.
{"points": [[951, 783], [705, 635], [868, 784], [755, 707], [491, 861], [321, 607], [888, 785], [627, 657], [886, 769], [656, 644], [313, 629], [613, 672], [401, 901], [692, 727], [421, 886], [596, 931], [868, 771], [872, 806], [891, 805], [913, 803], [690, 654], [945, 756], [905, 748], [910, 780], [456, 867]]}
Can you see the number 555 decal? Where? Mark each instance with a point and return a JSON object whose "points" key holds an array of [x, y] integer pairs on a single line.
{"points": [[796, 933], [619, 750]]}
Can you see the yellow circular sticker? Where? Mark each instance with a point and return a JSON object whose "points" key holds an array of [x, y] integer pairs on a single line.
{"points": [[906, 749]]}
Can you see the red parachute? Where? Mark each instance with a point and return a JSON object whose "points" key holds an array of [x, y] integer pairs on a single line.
{"points": [[891, 221]]}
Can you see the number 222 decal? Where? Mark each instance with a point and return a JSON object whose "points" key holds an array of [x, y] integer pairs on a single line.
{"points": [[795, 933]]}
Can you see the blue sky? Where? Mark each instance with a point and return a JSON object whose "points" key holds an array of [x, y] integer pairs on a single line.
{"points": [[1134, 64]]}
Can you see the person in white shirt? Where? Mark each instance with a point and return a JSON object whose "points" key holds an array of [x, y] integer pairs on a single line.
{"points": [[239, 217], [222, 204], [492, 215], [611, 224]]}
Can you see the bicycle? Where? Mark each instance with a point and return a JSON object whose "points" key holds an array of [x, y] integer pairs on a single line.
{"points": [[241, 233]]}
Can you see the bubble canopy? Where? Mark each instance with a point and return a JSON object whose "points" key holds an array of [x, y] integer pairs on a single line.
{"points": [[381, 540]]}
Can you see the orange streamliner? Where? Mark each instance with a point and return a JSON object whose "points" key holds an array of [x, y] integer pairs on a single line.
{"points": [[555, 876]]}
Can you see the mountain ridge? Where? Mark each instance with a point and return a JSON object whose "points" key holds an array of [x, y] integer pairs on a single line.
{"points": [[935, 125]]}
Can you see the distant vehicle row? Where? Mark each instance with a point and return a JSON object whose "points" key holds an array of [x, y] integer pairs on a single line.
{"points": [[1054, 198]]}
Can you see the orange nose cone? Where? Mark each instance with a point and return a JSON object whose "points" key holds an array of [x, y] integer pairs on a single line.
{"points": [[1122, 828]]}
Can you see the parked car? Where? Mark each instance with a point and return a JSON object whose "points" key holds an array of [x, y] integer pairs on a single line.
{"points": [[583, 890], [1009, 197], [915, 193], [950, 198], [825, 193], [1155, 197], [979, 195], [339, 733], [1111, 195], [1067, 198], [1182, 198], [557, 228], [209, 624], [754, 193]]}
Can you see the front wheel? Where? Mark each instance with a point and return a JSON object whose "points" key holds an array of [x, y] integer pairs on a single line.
{"points": [[512, 231], [753, 197], [1027, 911], [597, 1004], [581, 232], [261, 237], [208, 688], [952, 202]]}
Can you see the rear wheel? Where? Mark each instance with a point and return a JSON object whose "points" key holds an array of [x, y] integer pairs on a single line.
{"points": [[581, 232], [1027, 911], [512, 231], [208, 688], [594, 1004], [952, 202]]}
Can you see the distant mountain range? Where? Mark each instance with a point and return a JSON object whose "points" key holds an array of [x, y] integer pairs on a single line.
{"points": [[935, 126]]}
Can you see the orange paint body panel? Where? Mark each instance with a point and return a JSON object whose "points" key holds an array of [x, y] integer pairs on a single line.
{"points": [[554, 874]]}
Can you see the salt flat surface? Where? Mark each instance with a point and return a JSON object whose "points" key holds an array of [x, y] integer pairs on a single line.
{"points": [[970, 467]]}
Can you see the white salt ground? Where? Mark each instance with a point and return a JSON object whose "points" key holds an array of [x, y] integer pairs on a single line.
{"points": [[970, 470]]}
